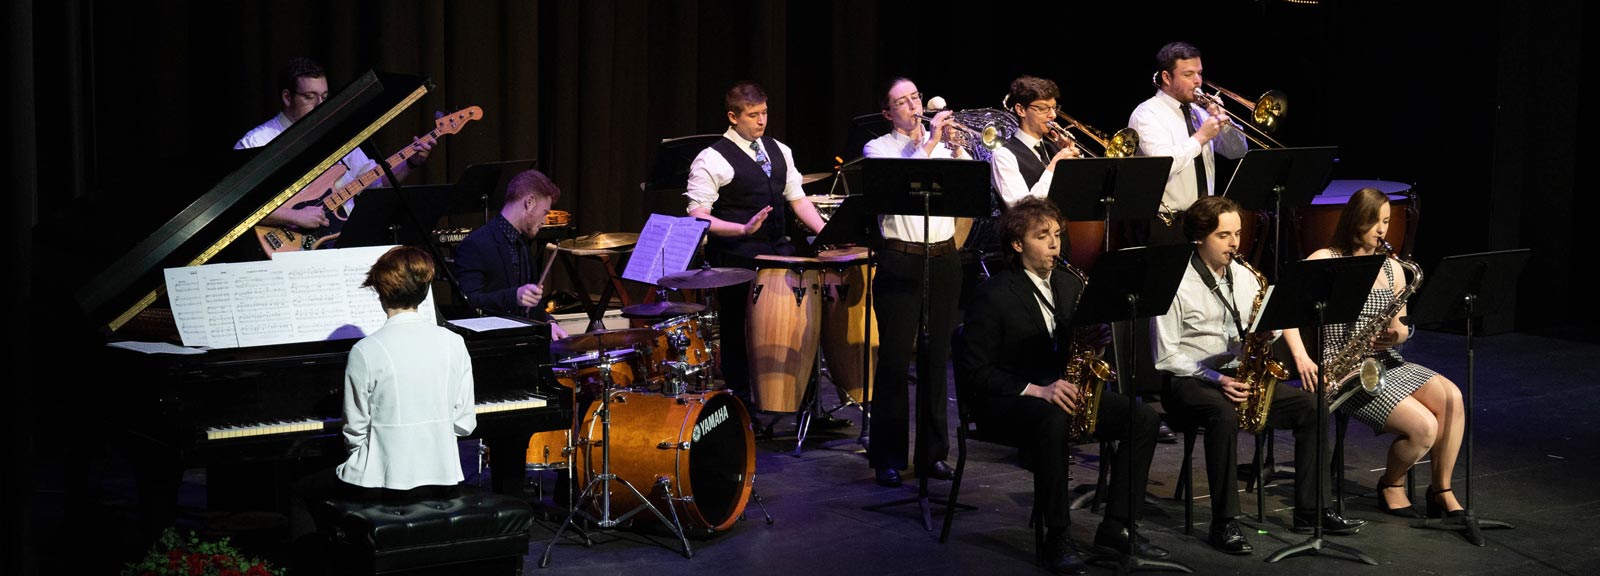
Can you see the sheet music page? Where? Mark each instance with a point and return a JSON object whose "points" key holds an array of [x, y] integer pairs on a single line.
{"points": [[1264, 301], [645, 263], [488, 323], [681, 243], [295, 297]]}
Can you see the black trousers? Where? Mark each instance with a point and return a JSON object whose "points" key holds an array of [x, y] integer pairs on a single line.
{"points": [[1040, 428], [1201, 402], [897, 303]]}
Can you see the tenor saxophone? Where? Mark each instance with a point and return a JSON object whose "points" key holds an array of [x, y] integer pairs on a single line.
{"points": [[1354, 363], [1085, 368], [1257, 368]]}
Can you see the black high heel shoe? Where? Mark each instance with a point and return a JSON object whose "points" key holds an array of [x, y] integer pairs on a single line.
{"points": [[1403, 511], [1436, 509]]}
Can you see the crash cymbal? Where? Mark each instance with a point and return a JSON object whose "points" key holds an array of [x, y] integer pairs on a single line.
{"points": [[815, 177], [603, 340], [662, 309], [598, 241], [703, 278]]}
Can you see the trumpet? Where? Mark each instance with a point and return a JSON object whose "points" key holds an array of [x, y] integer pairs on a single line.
{"points": [[1266, 113], [988, 136], [994, 127]]}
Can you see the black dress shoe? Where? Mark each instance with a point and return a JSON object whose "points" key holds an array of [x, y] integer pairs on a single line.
{"points": [[1403, 511], [1060, 556], [1117, 539], [888, 477], [1164, 435], [941, 471], [1332, 523], [828, 422], [1436, 506], [1229, 538]]}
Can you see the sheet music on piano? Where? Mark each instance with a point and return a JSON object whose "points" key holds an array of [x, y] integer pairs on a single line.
{"points": [[666, 245], [296, 297]]}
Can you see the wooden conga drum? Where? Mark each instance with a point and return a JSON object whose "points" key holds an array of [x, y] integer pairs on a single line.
{"points": [[846, 280], [783, 327]]}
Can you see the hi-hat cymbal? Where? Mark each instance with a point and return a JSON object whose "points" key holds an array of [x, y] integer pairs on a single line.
{"points": [[703, 278], [597, 241], [815, 177], [602, 340], [662, 309]]}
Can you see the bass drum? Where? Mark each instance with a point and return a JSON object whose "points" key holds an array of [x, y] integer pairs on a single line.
{"points": [[1315, 223], [702, 445]]}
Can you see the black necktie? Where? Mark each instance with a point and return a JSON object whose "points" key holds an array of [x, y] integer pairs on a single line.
{"points": [[1200, 160], [1039, 149]]}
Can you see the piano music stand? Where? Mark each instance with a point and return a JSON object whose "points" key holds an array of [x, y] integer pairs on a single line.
{"points": [[1465, 287]]}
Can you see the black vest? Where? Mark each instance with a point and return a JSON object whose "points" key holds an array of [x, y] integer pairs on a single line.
{"points": [[1028, 162], [741, 198]]}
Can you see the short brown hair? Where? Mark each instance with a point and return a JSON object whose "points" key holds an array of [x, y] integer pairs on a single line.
{"points": [[1024, 215], [1028, 89], [529, 183], [401, 277], [1202, 216], [1168, 56], [295, 69], [1359, 215], [744, 95]]}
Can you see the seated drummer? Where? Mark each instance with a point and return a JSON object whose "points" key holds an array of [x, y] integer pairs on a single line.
{"points": [[744, 185], [408, 394], [493, 263], [1009, 363]]}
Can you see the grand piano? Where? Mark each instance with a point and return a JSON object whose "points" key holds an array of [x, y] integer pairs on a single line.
{"points": [[244, 413]]}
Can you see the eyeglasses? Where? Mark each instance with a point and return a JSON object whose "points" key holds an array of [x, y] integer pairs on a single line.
{"points": [[1046, 110], [311, 96], [906, 100]]}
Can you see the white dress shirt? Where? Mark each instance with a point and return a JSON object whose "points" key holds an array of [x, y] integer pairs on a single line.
{"points": [[1008, 179], [1162, 132], [1197, 337], [408, 393], [909, 228], [710, 172], [355, 163], [1043, 284]]}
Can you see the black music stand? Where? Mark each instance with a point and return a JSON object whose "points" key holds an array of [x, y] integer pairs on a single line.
{"points": [[853, 224], [1128, 285], [924, 187], [1465, 287], [669, 172], [1314, 294], [1269, 180], [1109, 189]]}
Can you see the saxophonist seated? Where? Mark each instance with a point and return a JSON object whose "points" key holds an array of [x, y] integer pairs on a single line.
{"points": [[1013, 350], [1197, 343]]}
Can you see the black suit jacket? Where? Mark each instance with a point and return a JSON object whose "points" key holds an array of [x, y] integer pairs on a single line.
{"points": [[488, 279], [1005, 344]]}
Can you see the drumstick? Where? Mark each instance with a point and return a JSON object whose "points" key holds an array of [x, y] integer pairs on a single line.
{"points": [[527, 311]]}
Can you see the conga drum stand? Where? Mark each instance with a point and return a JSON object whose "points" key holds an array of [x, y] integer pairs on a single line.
{"points": [[599, 488]]}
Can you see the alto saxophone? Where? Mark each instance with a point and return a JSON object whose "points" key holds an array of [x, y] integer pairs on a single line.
{"points": [[1257, 368], [1085, 368], [1354, 363]]}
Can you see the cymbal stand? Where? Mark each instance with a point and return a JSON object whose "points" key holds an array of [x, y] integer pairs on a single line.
{"points": [[599, 488]]}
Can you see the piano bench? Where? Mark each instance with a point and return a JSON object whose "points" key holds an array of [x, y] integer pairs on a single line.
{"points": [[474, 532]]}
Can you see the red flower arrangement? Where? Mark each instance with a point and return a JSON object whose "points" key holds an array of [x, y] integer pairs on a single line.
{"points": [[174, 555]]}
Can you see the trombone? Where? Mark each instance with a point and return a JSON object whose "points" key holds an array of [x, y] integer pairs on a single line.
{"points": [[1123, 143], [1266, 113]]}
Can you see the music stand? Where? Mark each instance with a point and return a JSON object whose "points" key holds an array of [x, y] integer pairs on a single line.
{"points": [[853, 224], [924, 187], [1267, 180], [865, 128], [1313, 294], [669, 172], [1109, 189], [1464, 287], [1128, 285]]}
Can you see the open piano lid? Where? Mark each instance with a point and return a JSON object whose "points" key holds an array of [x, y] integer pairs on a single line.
{"points": [[241, 199]]}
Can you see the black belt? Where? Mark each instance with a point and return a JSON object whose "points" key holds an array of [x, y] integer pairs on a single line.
{"points": [[939, 248]]}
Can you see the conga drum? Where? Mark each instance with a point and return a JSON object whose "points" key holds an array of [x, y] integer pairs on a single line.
{"points": [[1315, 223], [783, 327], [846, 279]]}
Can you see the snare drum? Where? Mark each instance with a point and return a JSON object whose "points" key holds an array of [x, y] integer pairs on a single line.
{"points": [[605, 369], [845, 283], [1315, 223], [783, 328], [701, 444], [825, 204]]}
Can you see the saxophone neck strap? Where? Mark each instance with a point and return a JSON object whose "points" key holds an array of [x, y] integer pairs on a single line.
{"points": [[1211, 283]]}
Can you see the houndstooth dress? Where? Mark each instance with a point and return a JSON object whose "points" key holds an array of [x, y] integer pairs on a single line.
{"points": [[1403, 378]]}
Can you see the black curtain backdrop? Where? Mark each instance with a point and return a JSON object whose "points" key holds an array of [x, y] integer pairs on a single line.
{"points": [[118, 103]]}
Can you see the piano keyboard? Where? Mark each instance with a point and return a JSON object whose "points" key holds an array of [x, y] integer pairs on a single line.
{"points": [[314, 425]]}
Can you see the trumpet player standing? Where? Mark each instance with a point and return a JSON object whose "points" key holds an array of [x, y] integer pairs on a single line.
{"points": [[1176, 122], [1197, 343], [1025, 164], [1419, 406], [897, 302], [1009, 362]]}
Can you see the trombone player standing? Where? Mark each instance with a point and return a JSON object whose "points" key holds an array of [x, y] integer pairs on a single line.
{"points": [[1026, 163], [1176, 122], [897, 300]]}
